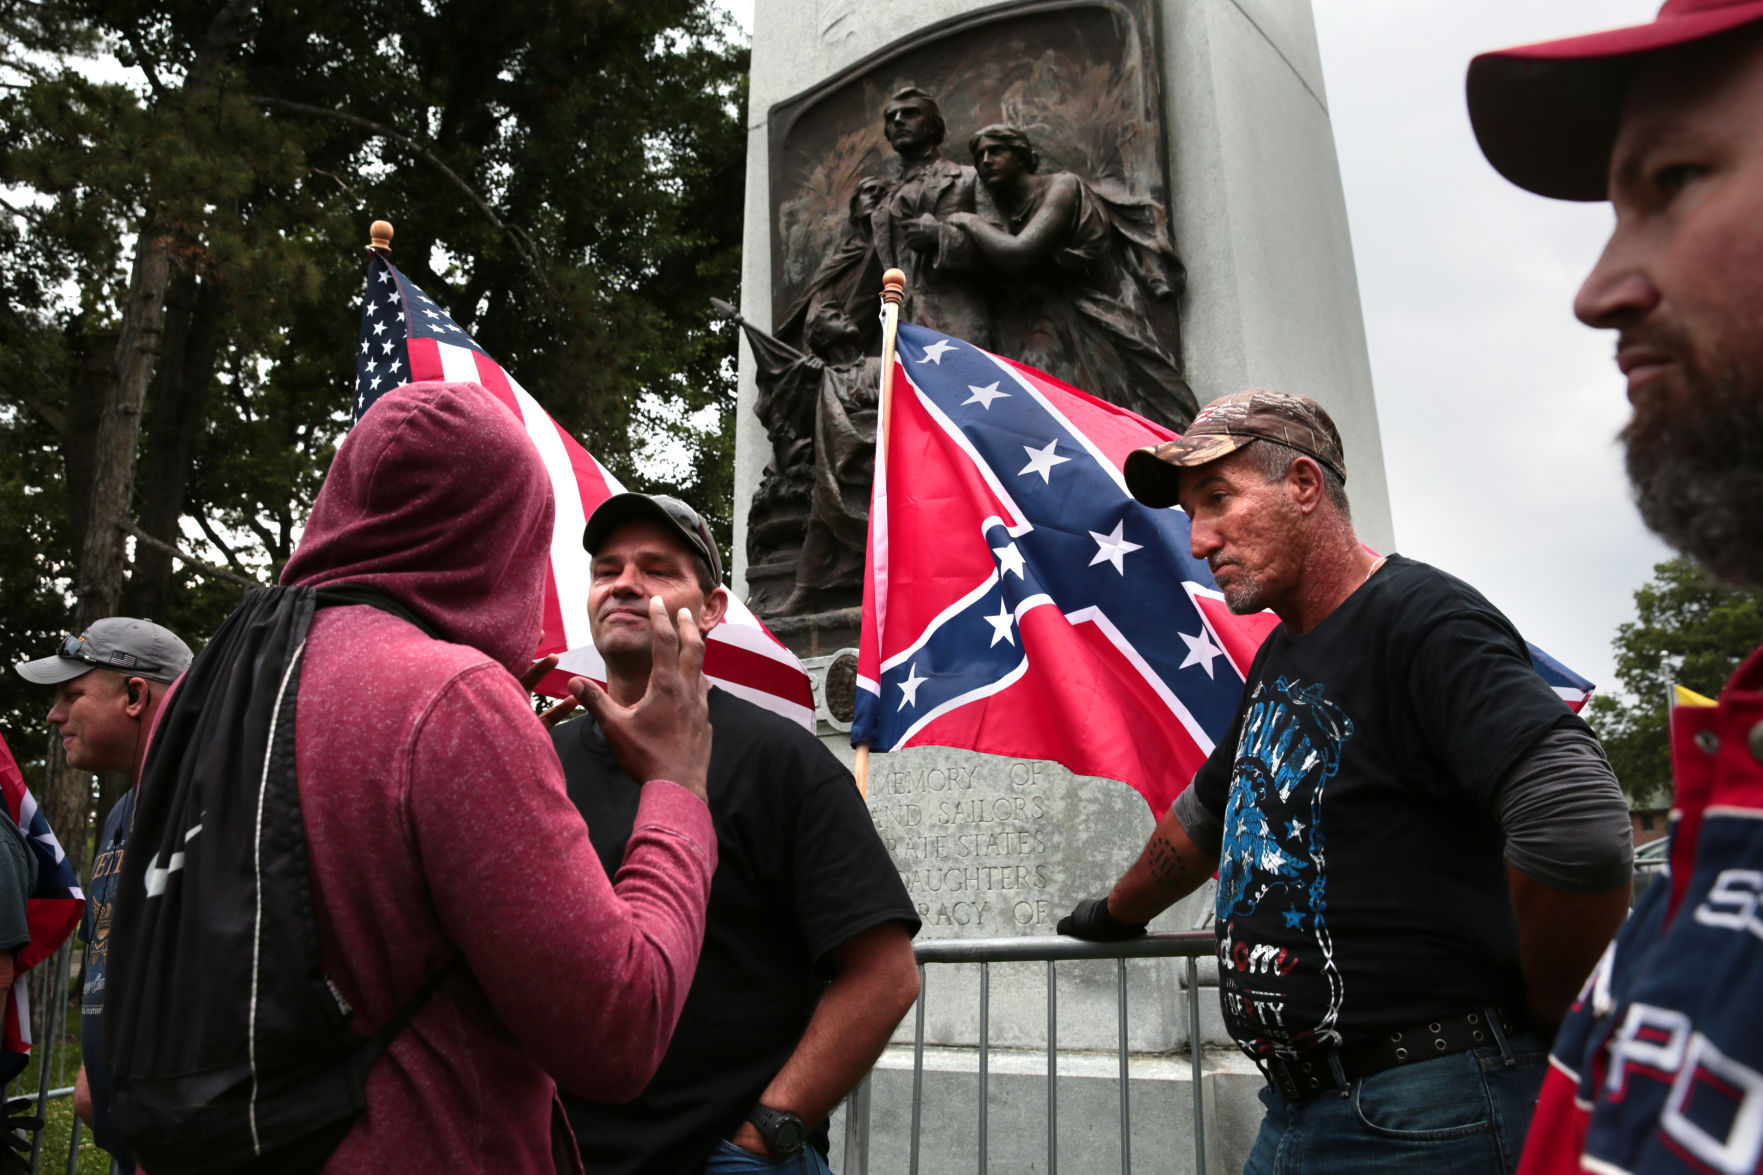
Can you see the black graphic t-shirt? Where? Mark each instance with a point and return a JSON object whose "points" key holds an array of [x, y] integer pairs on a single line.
{"points": [[1361, 886], [95, 933]]}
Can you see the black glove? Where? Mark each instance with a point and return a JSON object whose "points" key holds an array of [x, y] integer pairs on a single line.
{"points": [[1092, 920], [16, 1135]]}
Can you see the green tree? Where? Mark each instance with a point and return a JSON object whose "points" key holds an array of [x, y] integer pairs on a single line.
{"points": [[1688, 631], [185, 188]]}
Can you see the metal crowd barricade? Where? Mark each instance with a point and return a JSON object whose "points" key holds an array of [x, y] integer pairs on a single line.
{"points": [[51, 1055], [1052, 950]]}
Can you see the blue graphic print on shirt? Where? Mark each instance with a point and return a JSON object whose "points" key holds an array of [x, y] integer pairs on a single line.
{"points": [[1272, 873]]}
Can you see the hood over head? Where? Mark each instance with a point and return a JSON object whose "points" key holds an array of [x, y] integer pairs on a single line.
{"points": [[438, 497]]}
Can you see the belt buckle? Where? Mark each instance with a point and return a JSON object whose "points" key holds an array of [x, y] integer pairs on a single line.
{"points": [[1279, 1075]]}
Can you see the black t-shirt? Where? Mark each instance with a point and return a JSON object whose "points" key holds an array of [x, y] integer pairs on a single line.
{"points": [[1361, 887], [799, 870]]}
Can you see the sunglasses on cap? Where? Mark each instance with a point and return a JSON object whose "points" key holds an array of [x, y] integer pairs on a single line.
{"points": [[75, 647]]}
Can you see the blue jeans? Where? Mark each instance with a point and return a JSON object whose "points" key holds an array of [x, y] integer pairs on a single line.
{"points": [[729, 1159], [1464, 1114]]}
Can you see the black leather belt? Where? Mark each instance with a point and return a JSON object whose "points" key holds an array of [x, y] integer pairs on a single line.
{"points": [[1299, 1078]]}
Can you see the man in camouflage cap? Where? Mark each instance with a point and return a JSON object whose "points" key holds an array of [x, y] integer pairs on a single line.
{"points": [[1226, 425], [1420, 850]]}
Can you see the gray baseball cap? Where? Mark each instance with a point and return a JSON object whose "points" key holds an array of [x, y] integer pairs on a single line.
{"points": [[133, 648], [672, 513]]}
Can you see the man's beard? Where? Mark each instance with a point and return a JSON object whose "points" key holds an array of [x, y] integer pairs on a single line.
{"points": [[1696, 463]]}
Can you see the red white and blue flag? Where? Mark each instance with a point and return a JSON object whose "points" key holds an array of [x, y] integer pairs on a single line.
{"points": [[51, 912], [406, 338], [1021, 602]]}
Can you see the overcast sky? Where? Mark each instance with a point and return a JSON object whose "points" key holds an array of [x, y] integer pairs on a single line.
{"points": [[1497, 407]]}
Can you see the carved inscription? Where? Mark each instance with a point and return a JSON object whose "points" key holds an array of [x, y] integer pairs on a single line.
{"points": [[971, 842]]}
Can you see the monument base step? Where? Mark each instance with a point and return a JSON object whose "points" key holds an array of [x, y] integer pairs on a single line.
{"points": [[1162, 1112]]}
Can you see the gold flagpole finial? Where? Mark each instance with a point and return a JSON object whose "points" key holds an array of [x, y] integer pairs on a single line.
{"points": [[381, 233], [893, 287]]}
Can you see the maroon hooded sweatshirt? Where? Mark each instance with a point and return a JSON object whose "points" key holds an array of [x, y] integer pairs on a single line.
{"points": [[436, 818]]}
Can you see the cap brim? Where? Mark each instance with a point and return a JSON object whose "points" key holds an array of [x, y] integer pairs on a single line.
{"points": [[1546, 115], [1153, 475], [619, 509], [53, 670]]}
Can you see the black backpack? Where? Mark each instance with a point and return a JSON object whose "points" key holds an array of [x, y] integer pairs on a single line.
{"points": [[229, 1048]]}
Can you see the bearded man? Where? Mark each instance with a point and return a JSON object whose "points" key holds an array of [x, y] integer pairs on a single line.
{"points": [[1660, 1065]]}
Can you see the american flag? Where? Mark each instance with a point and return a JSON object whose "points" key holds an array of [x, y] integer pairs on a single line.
{"points": [[1021, 602], [406, 337], [52, 910]]}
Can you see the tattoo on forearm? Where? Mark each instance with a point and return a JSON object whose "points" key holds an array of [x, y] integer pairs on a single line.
{"points": [[1166, 863]]}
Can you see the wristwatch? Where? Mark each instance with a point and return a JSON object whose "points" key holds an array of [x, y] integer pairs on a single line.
{"points": [[782, 1131]]}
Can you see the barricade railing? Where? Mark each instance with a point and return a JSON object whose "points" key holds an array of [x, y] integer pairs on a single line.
{"points": [[51, 1078], [52, 1082], [1052, 950]]}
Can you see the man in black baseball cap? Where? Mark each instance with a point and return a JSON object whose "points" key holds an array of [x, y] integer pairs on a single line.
{"points": [[109, 682], [672, 514], [804, 890], [1660, 1065]]}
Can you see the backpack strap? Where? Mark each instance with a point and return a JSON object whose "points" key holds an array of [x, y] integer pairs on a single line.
{"points": [[359, 593], [401, 1020], [370, 1049]]}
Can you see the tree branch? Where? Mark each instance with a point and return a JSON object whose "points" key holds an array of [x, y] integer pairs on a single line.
{"points": [[338, 180], [225, 31], [47, 413], [523, 244], [129, 528], [132, 33], [27, 214], [214, 537], [262, 532]]}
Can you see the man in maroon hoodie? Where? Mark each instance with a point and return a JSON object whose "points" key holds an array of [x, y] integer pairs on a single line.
{"points": [[437, 822]]}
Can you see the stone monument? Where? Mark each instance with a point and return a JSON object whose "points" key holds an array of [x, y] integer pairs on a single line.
{"points": [[1142, 197]]}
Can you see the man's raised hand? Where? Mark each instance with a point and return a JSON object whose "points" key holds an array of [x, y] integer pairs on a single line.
{"points": [[666, 733], [558, 710]]}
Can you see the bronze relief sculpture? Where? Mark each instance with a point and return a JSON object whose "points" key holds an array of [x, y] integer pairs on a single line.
{"points": [[1050, 246], [1071, 276]]}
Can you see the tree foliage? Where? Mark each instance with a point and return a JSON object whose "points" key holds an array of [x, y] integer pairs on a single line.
{"points": [[565, 179], [1688, 631]]}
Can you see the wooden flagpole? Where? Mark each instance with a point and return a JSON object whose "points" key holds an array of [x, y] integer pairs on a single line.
{"points": [[893, 293], [380, 236]]}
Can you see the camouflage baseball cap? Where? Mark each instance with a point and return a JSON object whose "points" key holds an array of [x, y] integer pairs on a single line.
{"points": [[1226, 425]]}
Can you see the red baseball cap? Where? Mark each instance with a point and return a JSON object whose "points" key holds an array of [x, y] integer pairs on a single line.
{"points": [[1546, 115]]}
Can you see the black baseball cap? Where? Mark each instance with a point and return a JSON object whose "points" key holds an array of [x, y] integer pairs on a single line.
{"points": [[684, 521]]}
